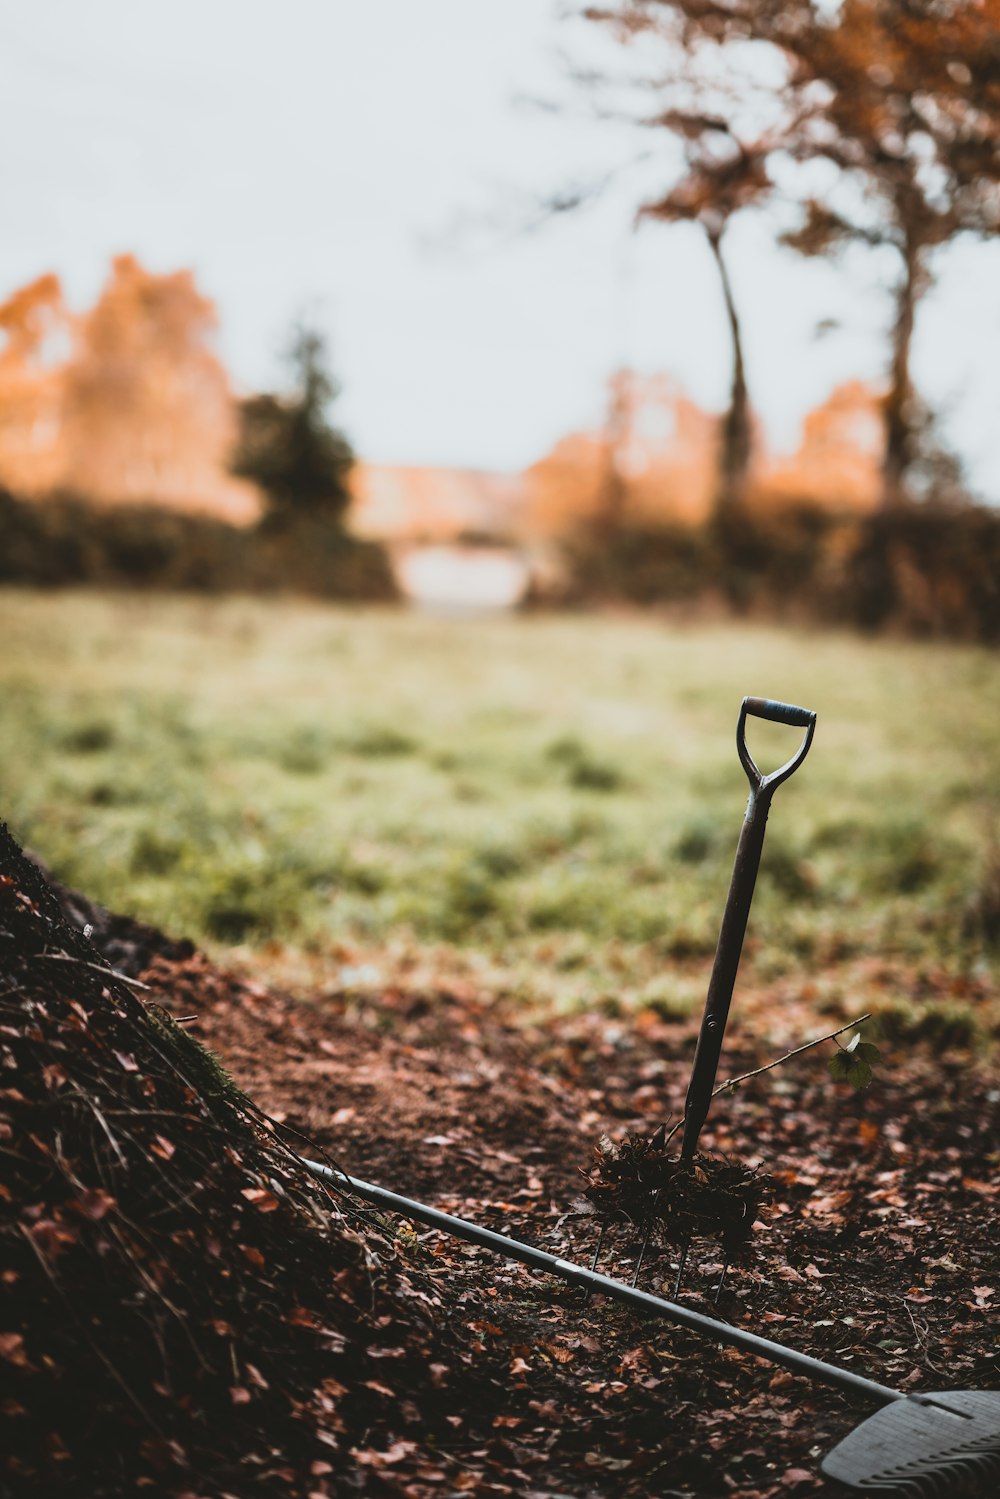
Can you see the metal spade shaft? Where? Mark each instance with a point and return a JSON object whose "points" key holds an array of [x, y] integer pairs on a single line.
{"points": [[734, 920], [540, 1259]]}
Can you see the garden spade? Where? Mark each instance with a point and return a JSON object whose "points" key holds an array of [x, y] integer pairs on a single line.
{"points": [[734, 920], [942, 1444]]}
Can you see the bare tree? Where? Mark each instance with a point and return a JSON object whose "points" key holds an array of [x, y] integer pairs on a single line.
{"points": [[723, 177]]}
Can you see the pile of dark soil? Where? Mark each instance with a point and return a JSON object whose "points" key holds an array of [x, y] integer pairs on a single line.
{"points": [[184, 1310], [185, 1265]]}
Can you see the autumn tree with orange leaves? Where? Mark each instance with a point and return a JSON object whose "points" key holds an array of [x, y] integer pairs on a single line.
{"points": [[147, 411], [34, 334], [896, 102], [126, 402], [902, 98]]}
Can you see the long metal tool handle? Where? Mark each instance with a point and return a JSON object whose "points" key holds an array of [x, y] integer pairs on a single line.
{"points": [[539, 1259], [734, 920]]}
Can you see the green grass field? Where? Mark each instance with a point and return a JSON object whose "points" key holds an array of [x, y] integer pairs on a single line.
{"points": [[553, 801]]}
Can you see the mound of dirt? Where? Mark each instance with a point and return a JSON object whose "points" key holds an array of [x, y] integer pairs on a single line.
{"points": [[184, 1310], [127, 945]]}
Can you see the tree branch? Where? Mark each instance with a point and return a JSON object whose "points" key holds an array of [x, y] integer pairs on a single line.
{"points": [[732, 1081], [111, 973]]}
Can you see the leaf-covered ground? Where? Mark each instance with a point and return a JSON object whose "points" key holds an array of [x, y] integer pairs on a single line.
{"points": [[878, 1253]]}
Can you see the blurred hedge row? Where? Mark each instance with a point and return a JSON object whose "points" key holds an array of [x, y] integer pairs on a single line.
{"points": [[64, 541], [922, 569], [925, 570]]}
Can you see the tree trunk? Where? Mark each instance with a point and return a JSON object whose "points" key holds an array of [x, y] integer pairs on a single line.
{"points": [[899, 413], [614, 490], [733, 478]]}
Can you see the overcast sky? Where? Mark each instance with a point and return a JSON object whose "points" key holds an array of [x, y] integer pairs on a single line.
{"points": [[371, 163]]}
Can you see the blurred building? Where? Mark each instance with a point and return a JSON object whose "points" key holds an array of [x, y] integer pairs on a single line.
{"points": [[435, 504], [452, 533]]}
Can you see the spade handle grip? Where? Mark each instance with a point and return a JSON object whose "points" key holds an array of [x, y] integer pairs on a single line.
{"points": [[774, 712]]}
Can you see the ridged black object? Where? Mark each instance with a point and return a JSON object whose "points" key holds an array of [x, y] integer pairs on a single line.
{"points": [[925, 1446]]}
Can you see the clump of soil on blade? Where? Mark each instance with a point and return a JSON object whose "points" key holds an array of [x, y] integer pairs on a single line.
{"points": [[638, 1181]]}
